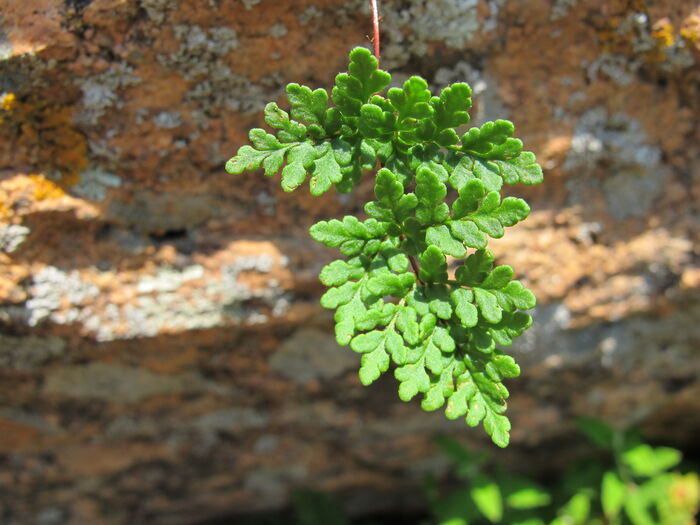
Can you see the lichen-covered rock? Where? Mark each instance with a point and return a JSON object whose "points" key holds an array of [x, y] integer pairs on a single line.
{"points": [[163, 357]]}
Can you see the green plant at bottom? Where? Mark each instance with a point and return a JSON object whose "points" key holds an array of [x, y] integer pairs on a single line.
{"points": [[637, 486]]}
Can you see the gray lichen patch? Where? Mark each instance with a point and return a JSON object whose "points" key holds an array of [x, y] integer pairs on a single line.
{"points": [[617, 68], [250, 4], [157, 10], [5, 46], [560, 8], [622, 68], [200, 59], [617, 146], [152, 211], [412, 26], [115, 383], [224, 88], [100, 92], [168, 119], [199, 49], [235, 419], [272, 483], [170, 300], [310, 355], [12, 236], [29, 353], [625, 345], [169, 279], [58, 296], [601, 137], [308, 15], [23, 73], [637, 26], [94, 184], [278, 30]]}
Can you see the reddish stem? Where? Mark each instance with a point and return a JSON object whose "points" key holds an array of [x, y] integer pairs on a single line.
{"points": [[414, 265], [375, 23]]}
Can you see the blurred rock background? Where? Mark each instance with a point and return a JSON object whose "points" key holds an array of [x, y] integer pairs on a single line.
{"points": [[163, 358]]}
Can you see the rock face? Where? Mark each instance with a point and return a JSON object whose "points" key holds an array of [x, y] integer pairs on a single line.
{"points": [[163, 357]]}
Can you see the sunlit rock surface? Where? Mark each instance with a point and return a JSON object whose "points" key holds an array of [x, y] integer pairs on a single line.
{"points": [[163, 357]]}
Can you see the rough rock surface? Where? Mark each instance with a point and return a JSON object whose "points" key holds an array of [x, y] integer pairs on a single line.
{"points": [[156, 314]]}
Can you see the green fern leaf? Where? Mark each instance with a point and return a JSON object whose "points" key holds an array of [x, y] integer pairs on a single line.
{"points": [[393, 297]]}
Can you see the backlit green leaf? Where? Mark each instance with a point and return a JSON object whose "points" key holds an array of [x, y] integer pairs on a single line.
{"points": [[398, 295]]}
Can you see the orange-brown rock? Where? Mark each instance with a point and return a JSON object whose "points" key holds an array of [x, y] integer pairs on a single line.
{"points": [[163, 358]]}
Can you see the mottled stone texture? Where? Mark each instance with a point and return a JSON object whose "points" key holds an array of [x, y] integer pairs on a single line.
{"points": [[163, 355]]}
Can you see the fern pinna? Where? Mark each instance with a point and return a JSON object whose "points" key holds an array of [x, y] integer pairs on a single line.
{"points": [[393, 295]]}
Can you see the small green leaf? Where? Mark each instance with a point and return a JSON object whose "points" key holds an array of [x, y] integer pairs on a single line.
{"points": [[439, 389], [452, 106], [505, 366], [293, 176], [523, 494], [597, 431], [488, 173], [443, 339], [441, 237], [336, 296], [363, 79], [430, 193], [342, 151], [515, 295], [413, 379], [273, 162], [368, 342], [464, 308], [395, 346], [469, 234], [523, 168], [411, 101], [511, 326], [247, 159], [612, 495], [470, 194], [433, 266], [339, 272], [487, 497], [325, 172], [509, 149], [488, 305], [262, 140], [372, 365], [391, 284], [499, 277], [482, 140], [511, 211], [644, 460], [376, 122], [578, 509], [407, 324], [475, 268], [307, 106]]}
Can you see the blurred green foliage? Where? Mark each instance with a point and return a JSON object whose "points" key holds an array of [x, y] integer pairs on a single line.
{"points": [[626, 482], [633, 484]]}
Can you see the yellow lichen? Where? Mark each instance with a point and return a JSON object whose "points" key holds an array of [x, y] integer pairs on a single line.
{"points": [[662, 33], [45, 189], [47, 134], [691, 29], [8, 102]]}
